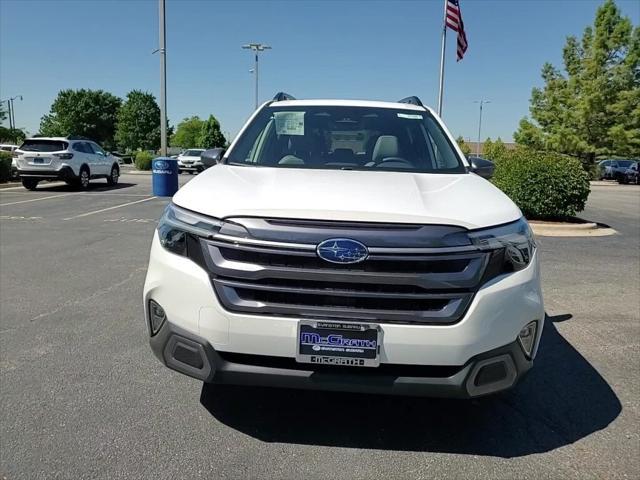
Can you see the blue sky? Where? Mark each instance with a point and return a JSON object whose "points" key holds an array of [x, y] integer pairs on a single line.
{"points": [[379, 50]]}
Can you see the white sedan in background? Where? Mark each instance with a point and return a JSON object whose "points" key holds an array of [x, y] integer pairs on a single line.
{"points": [[189, 161]]}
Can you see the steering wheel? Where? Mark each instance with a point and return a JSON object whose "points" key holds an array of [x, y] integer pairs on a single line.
{"points": [[395, 160]]}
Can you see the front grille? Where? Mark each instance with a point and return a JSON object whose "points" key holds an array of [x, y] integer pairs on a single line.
{"points": [[394, 284]]}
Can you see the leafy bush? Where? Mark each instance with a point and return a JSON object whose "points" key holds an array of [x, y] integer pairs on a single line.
{"points": [[143, 160], [544, 185], [5, 166]]}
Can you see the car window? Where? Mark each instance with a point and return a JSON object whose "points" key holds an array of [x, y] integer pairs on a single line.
{"points": [[345, 137], [78, 147], [37, 145], [625, 163], [96, 148]]}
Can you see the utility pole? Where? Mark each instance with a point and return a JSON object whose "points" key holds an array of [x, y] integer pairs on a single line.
{"points": [[8, 112], [256, 48], [163, 78], [481, 102], [12, 111]]}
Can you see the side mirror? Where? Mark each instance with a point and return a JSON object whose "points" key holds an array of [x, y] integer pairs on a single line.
{"points": [[211, 157], [482, 167]]}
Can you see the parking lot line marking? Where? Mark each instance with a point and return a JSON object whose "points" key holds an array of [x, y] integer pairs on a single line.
{"points": [[109, 208], [88, 194], [52, 184], [35, 199]]}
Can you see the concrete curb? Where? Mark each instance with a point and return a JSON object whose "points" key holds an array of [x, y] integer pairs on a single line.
{"points": [[134, 172], [559, 229]]}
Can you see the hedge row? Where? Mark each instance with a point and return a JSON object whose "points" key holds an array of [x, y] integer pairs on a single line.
{"points": [[5, 166], [143, 160], [544, 185]]}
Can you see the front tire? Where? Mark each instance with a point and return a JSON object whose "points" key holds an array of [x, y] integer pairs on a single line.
{"points": [[29, 183], [113, 177]]}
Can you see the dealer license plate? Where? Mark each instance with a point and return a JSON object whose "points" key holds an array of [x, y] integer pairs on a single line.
{"points": [[338, 343]]}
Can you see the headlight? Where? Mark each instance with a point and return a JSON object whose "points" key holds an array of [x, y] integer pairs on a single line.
{"points": [[515, 239], [176, 224]]}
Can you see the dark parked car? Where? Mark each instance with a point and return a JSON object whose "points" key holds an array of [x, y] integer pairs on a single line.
{"points": [[613, 169], [631, 175]]}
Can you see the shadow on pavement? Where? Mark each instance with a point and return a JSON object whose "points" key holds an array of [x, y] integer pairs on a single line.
{"points": [[95, 186], [562, 400]]}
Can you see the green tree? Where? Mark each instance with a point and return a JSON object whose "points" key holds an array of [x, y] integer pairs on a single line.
{"points": [[138, 125], [493, 150], [487, 146], [464, 146], [3, 113], [14, 135], [210, 134], [593, 106], [89, 113], [187, 133]]}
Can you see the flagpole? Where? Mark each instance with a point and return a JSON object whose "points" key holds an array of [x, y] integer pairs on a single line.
{"points": [[444, 42]]}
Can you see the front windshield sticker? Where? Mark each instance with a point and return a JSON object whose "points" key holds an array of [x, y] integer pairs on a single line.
{"points": [[410, 115], [289, 123]]}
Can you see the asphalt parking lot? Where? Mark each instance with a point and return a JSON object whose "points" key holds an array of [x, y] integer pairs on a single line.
{"points": [[82, 396]]}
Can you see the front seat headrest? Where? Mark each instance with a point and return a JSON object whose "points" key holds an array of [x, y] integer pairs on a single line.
{"points": [[386, 146]]}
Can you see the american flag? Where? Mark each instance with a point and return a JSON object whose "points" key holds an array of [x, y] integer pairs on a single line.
{"points": [[454, 22]]}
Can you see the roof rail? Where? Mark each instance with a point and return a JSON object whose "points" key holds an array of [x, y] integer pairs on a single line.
{"points": [[76, 137], [281, 96], [412, 101]]}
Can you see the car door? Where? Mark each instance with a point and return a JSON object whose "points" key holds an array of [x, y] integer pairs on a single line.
{"points": [[90, 157], [80, 156], [102, 161]]}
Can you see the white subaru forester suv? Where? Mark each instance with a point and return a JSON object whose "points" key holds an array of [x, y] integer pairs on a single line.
{"points": [[75, 160], [345, 245]]}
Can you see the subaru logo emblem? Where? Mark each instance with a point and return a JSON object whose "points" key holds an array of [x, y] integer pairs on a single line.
{"points": [[161, 164], [342, 250]]}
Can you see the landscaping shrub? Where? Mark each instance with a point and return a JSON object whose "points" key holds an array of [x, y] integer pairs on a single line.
{"points": [[143, 160], [5, 166], [544, 185]]}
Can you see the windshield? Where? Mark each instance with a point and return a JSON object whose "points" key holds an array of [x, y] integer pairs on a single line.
{"points": [[625, 163], [350, 138], [192, 153]]}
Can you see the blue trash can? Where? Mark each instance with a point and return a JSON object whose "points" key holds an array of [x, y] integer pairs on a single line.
{"points": [[165, 176]]}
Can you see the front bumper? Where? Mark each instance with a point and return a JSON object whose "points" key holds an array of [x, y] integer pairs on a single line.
{"points": [[191, 167], [64, 173], [493, 371], [258, 349]]}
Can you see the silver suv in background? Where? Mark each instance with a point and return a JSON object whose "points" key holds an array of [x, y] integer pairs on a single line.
{"points": [[190, 161], [75, 160]]}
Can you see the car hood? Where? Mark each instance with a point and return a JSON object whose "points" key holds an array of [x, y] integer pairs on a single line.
{"points": [[466, 200], [185, 157]]}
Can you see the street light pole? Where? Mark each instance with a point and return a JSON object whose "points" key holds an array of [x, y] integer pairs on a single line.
{"points": [[481, 102], [163, 79], [256, 48], [12, 111], [9, 113]]}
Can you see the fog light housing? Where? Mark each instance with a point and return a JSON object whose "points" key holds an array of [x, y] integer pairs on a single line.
{"points": [[527, 338], [156, 317]]}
